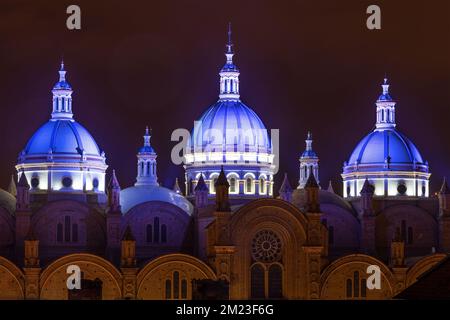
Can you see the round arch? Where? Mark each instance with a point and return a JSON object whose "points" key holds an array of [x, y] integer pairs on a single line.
{"points": [[11, 281], [422, 266], [334, 276], [151, 280], [289, 224], [53, 278]]}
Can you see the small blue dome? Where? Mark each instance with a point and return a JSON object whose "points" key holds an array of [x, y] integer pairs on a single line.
{"points": [[62, 136], [227, 116], [381, 145], [309, 154], [146, 149], [133, 196]]}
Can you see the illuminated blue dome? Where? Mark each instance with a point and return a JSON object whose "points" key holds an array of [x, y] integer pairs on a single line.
{"points": [[133, 196], [64, 137], [386, 159], [230, 136], [386, 145], [62, 156], [230, 125]]}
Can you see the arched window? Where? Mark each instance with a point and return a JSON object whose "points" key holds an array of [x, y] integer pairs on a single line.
{"points": [[262, 188], [148, 169], [59, 232], [176, 284], [168, 289], [156, 230], [349, 288], [233, 185], [142, 168], [248, 184], [67, 228], [183, 289], [275, 282], [163, 233], [356, 287], [363, 288], [305, 174], [149, 233], [257, 282], [75, 232]]}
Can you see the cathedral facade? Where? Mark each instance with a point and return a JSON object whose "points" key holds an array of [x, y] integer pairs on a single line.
{"points": [[226, 236]]}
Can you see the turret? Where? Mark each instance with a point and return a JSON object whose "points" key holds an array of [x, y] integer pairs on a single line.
{"points": [[201, 193], [286, 189], [309, 163], [221, 186]]}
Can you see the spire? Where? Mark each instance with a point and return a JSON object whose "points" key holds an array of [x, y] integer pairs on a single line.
{"points": [[222, 179], [286, 189], [62, 96], [229, 75], [311, 182], [12, 189], [23, 193], [128, 234], [285, 186], [312, 193], [201, 185], [201, 193], [114, 193], [113, 183], [176, 186], [147, 137], [309, 162], [229, 44], [385, 108], [146, 163], [309, 141], [444, 187], [367, 188], [330, 187], [221, 186]]}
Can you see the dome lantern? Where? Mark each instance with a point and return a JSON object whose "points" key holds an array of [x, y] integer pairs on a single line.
{"points": [[62, 97]]}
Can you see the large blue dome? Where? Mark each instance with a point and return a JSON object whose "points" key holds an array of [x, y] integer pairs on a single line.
{"points": [[62, 137], [62, 156], [230, 125], [381, 145]]}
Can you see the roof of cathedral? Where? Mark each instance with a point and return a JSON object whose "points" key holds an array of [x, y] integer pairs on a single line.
{"points": [[229, 124], [378, 146], [385, 148], [61, 135], [133, 196]]}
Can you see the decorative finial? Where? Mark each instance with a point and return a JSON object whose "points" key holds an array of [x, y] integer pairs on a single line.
{"points": [[309, 137], [147, 136], [62, 72], [229, 44], [385, 86]]}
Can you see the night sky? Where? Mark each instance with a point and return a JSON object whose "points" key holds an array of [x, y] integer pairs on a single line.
{"points": [[305, 65]]}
